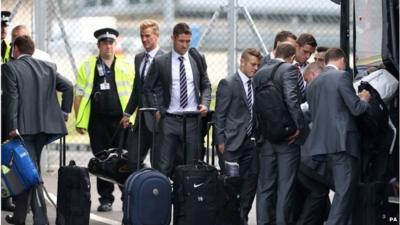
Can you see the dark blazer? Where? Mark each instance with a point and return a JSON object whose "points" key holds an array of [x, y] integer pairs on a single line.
{"points": [[333, 106], [265, 60], [232, 115], [138, 99], [286, 75], [29, 91], [158, 84]]}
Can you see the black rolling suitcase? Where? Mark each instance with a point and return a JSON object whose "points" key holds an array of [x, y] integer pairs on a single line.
{"points": [[147, 193], [73, 192], [228, 211], [195, 191]]}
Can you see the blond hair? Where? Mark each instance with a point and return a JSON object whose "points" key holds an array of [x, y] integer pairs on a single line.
{"points": [[148, 23]]}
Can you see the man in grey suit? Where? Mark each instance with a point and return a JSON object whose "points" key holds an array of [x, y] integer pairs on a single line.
{"points": [[149, 34], [235, 124], [279, 160], [175, 85], [280, 37], [334, 136], [32, 108]]}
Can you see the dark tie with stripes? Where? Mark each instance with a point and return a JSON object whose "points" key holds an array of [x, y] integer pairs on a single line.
{"points": [[300, 82], [146, 61], [183, 83], [249, 129]]}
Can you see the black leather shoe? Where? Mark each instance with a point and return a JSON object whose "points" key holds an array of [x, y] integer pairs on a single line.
{"points": [[7, 205], [107, 207], [10, 219]]}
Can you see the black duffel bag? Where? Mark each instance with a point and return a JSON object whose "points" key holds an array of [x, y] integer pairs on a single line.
{"points": [[110, 165]]}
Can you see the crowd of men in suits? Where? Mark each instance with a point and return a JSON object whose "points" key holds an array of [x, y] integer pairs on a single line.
{"points": [[108, 91]]}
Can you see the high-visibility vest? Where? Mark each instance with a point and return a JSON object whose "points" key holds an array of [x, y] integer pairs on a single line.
{"points": [[7, 55], [124, 77]]}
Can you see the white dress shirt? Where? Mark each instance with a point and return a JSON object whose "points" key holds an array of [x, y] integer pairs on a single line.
{"points": [[244, 79], [333, 66], [152, 54], [174, 106]]}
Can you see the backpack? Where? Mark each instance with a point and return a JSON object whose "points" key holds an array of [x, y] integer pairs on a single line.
{"points": [[276, 124]]}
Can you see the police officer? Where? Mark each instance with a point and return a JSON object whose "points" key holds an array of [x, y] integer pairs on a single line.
{"points": [[5, 45], [102, 90]]}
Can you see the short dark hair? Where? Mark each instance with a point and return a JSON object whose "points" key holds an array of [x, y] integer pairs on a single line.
{"points": [[25, 44], [251, 51], [322, 49], [306, 39], [285, 50], [334, 54], [283, 36], [181, 28]]}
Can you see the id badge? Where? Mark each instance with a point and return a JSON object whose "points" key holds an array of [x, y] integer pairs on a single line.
{"points": [[105, 85]]}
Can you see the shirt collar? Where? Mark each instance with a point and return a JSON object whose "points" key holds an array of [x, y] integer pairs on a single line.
{"points": [[22, 55], [153, 52], [299, 64], [280, 59], [176, 55], [333, 66], [272, 55], [243, 77]]}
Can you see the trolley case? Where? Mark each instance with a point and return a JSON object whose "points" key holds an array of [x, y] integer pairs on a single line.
{"points": [[20, 172], [195, 190], [228, 212], [73, 192], [147, 193]]}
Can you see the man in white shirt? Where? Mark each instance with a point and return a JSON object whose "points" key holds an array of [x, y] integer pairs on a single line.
{"points": [[176, 85]]}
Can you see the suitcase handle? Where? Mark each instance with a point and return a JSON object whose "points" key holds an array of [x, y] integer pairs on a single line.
{"points": [[141, 110]]}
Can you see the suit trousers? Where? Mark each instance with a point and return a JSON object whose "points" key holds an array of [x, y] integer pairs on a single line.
{"points": [[316, 205], [246, 156], [101, 130], [172, 142], [34, 196], [278, 165], [146, 142], [345, 170]]}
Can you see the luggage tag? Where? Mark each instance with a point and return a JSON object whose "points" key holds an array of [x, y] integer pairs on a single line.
{"points": [[105, 85]]}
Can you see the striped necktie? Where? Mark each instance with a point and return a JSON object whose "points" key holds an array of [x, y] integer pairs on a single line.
{"points": [[183, 83], [300, 82], [249, 129], [146, 61]]}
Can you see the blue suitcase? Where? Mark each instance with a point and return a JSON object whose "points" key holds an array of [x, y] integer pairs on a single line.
{"points": [[147, 198], [147, 193], [23, 173]]}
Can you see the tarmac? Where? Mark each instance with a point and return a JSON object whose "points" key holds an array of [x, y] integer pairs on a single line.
{"points": [[96, 218]]}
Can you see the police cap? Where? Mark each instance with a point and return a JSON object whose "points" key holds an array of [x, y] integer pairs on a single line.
{"points": [[106, 33], [5, 18]]}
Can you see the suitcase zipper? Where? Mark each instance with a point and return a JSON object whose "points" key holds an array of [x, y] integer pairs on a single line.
{"points": [[130, 183]]}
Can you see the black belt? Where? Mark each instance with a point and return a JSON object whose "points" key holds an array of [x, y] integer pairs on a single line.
{"points": [[181, 116]]}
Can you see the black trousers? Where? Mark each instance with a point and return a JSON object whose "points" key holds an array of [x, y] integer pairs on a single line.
{"points": [[34, 196], [101, 131], [246, 156], [146, 142]]}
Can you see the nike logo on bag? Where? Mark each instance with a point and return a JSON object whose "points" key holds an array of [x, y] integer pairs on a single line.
{"points": [[197, 185]]}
